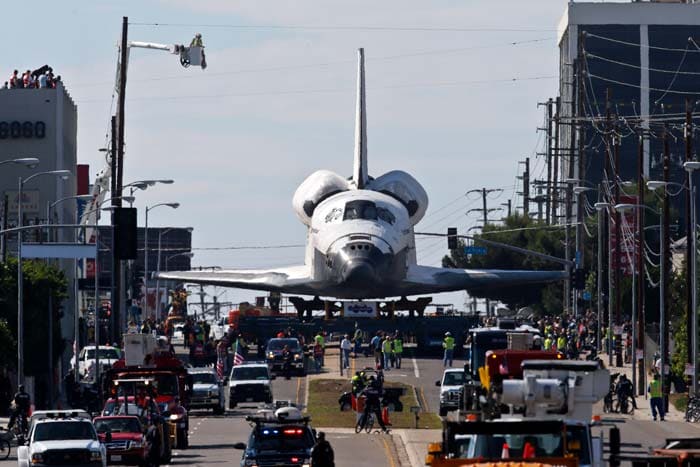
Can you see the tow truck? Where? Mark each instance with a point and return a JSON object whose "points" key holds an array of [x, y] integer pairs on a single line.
{"points": [[545, 417]]}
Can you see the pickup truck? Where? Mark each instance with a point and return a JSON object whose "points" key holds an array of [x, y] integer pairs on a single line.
{"points": [[127, 441], [451, 387], [62, 438]]}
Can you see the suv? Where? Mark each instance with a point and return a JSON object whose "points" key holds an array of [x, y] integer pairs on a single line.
{"points": [[128, 443], [249, 382], [280, 438], [273, 354], [451, 388], [207, 390], [62, 438]]}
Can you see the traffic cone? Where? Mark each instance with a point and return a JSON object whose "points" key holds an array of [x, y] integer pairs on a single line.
{"points": [[385, 416], [505, 452]]}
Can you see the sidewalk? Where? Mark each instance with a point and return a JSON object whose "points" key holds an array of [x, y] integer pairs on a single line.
{"points": [[643, 411]]}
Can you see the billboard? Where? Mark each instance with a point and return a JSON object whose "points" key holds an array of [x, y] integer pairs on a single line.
{"points": [[30, 202], [360, 309]]}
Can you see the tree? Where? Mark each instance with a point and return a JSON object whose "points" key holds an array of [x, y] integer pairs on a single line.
{"points": [[41, 280], [522, 232]]}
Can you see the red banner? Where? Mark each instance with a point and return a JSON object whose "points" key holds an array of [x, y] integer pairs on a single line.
{"points": [[629, 251]]}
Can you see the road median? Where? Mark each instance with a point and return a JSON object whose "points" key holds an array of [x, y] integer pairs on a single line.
{"points": [[325, 410]]}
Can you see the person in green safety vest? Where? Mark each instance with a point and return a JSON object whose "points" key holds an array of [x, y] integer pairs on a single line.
{"points": [[398, 349], [357, 382], [561, 343], [656, 395], [548, 342], [357, 338], [386, 351], [320, 340], [448, 344]]}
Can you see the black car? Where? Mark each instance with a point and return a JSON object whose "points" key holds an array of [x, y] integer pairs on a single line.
{"points": [[283, 439], [273, 354]]}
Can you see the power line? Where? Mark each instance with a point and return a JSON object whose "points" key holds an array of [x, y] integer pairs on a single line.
{"points": [[632, 44], [244, 27], [258, 247], [330, 90]]}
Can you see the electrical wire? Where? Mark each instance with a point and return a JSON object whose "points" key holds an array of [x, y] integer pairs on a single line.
{"points": [[618, 41], [244, 27]]}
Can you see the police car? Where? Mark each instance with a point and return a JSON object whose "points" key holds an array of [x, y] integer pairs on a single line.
{"points": [[62, 438], [281, 437]]}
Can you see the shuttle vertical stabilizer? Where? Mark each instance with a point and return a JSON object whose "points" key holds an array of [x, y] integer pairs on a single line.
{"points": [[360, 174]]}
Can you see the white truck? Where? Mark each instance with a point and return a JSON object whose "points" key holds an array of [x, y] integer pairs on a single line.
{"points": [[86, 359], [62, 438], [451, 387]]}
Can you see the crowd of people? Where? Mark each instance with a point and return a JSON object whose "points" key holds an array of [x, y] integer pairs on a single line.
{"points": [[41, 78]]}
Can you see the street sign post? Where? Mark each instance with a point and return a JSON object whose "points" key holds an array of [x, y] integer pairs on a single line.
{"points": [[475, 250]]}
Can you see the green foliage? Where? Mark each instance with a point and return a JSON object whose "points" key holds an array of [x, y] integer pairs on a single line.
{"points": [[41, 280], [8, 346], [522, 232], [678, 315]]}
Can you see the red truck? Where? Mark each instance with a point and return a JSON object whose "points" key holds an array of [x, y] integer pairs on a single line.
{"points": [[507, 364], [128, 444]]}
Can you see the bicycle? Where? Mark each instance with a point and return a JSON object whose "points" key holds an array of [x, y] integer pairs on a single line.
{"points": [[5, 446], [365, 422], [692, 410]]}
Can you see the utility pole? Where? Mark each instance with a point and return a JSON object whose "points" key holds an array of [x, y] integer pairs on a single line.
{"points": [[689, 232], [486, 212], [507, 205], [664, 263], [618, 249], [3, 241], [118, 176], [555, 155], [580, 218], [639, 258], [606, 179], [116, 276], [548, 156], [526, 187]]}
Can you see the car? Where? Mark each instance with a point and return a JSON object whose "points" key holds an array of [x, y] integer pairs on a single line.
{"points": [[451, 387], [273, 354], [283, 437], [86, 358], [207, 390], [179, 331], [62, 438], [128, 444], [249, 382], [149, 413]]}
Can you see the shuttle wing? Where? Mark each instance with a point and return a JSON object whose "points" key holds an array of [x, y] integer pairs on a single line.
{"points": [[292, 279], [426, 279]]}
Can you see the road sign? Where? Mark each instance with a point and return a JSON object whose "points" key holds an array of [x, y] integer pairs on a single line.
{"points": [[586, 295], [474, 250]]}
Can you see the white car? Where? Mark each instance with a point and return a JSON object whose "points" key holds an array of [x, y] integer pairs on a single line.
{"points": [[178, 332], [451, 387], [62, 438], [86, 359], [207, 390], [249, 382]]}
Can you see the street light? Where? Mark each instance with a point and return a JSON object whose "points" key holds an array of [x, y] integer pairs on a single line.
{"points": [[144, 184], [690, 167], [160, 237], [29, 162], [189, 254], [145, 248], [63, 174]]}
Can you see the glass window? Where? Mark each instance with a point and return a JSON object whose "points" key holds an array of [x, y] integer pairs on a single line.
{"points": [[278, 344], [57, 431], [386, 215], [282, 438], [204, 378], [105, 354], [360, 210], [248, 373], [118, 425], [454, 378]]}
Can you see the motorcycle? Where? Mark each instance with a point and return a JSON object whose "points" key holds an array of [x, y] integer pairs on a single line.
{"points": [[178, 420]]}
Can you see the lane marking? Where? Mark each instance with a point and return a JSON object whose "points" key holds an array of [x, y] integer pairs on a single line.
{"points": [[425, 401], [415, 367], [388, 453], [296, 399]]}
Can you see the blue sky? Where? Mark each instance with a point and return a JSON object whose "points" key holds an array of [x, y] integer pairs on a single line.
{"points": [[277, 104]]}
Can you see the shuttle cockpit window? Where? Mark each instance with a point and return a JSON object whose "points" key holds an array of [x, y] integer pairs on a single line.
{"points": [[366, 210], [386, 215]]}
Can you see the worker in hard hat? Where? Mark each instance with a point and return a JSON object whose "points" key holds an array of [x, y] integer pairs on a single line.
{"points": [[197, 41], [448, 344]]}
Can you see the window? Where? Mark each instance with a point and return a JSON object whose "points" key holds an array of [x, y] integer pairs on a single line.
{"points": [[249, 373], [57, 431], [118, 425], [366, 210], [454, 378], [386, 215], [205, 378], [105, 354], [278, 344]]}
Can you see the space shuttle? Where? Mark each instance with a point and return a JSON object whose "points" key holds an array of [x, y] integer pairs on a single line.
{"points": [[360, 241]]}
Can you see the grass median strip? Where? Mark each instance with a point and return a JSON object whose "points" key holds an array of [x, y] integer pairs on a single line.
{"points": [[325, 410]]}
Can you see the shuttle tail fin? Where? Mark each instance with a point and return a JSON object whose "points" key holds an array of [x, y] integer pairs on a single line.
{"points": [[360, 173]]}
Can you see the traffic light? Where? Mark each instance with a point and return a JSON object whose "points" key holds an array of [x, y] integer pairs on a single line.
{"points": [[125, 233], [578, 279], [452, 238], [137, 282]]}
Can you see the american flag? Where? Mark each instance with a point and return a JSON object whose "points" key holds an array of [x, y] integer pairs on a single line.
{"points": [[220, 362], [238, 357]]}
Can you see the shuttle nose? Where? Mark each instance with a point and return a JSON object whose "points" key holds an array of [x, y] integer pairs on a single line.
{"points": [[359, 272]]}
